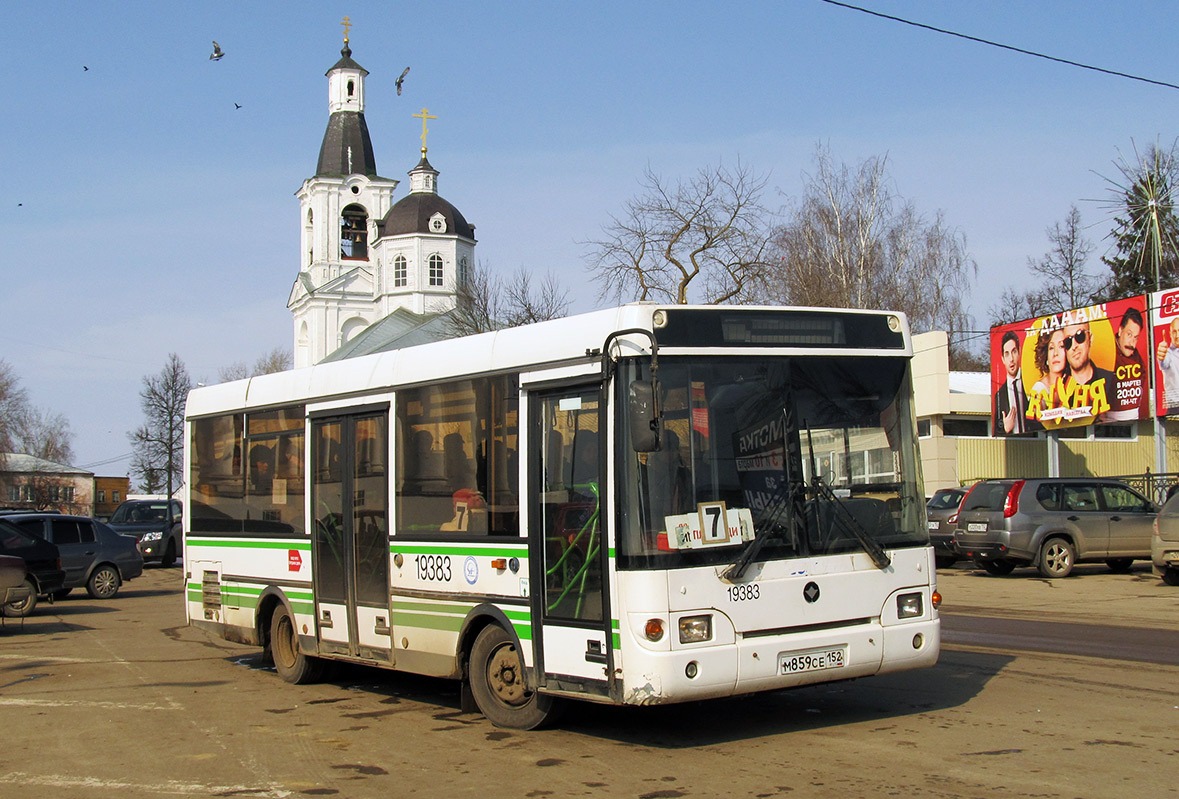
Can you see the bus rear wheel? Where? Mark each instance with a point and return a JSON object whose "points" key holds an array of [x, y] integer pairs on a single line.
{"points": [[291, 664], [496, 675]]}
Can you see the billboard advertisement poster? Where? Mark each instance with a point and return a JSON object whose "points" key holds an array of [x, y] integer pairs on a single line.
{"points": [[1165, 319], [1078, 367]]}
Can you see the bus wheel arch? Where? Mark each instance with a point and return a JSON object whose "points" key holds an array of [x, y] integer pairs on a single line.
{"points": [[270, 600]]}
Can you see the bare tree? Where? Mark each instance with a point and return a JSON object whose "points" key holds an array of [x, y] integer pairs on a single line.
{"points": [[487, 302], [277, 360], [158, 444], [1016, 305], [43, 434], [701, 240], [1065, 281], [853, 242], [12, 402]]}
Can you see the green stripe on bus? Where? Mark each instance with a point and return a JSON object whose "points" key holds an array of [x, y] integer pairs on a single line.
{"points": [[410, 605], [617, 639], [459, 550], [236, 544]]}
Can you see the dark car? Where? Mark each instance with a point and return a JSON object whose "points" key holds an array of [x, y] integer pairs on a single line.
{"points": [[1053, 524], [92, 554], [155, 524], [941, 511], [43, 561]]}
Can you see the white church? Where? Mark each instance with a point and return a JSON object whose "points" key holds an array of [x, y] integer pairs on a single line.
{"points": [[374, 274]]}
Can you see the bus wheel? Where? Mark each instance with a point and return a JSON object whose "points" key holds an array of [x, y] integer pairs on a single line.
{"points": [[496, 675], [291, 664]]}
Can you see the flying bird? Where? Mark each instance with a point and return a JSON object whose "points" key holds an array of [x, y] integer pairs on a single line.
{"points": [[85, 68], [217, 54], [236, 105], [401, 80]]}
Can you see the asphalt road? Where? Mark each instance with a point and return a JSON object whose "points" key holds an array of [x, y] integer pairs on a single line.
{"points": [[121, 699]]}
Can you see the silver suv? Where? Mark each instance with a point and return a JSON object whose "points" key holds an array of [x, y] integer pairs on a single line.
{"points": [[1053, 524]]}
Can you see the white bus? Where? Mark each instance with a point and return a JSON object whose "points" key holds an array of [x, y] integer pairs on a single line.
{"points": [[640, 505]]}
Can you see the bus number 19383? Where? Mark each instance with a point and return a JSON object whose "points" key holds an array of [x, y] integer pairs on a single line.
{"points": [[434, 567]]}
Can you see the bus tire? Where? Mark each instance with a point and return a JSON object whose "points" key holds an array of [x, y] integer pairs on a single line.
{"points": [[291, 664], [496, 676]]}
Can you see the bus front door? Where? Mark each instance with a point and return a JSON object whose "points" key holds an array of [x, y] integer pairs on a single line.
{"points": [[349, 538], [569, 595]]}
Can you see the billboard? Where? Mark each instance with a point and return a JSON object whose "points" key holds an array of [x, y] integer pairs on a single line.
{"points": [[1165, 320], [1079, 367]]}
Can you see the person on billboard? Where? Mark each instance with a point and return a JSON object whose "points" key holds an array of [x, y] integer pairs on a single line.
{"points": [[1129, 402], [1052, 362], [1168, 358], [1078, 340], [1011, 400]]}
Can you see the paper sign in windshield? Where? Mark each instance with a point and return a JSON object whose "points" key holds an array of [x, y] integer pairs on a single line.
{"points": [[712, 525]]}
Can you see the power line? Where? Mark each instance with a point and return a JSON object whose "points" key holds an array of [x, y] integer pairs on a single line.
{"points": [[1002, 46]]}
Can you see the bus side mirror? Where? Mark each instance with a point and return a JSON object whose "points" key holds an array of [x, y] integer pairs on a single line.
{"points": [[643, 417]]}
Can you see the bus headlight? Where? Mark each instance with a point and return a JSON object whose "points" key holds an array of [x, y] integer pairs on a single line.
{"points": [[909, 606], [694, 629]]}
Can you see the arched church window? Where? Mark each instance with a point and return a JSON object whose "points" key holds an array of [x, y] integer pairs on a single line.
{"points": [[354, 233], [435, 262], [351, 87], [463, 275], [400, 272]]}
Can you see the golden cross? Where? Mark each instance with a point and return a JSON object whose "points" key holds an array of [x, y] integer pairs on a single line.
{"points": [[424, 116], [347, 23]]}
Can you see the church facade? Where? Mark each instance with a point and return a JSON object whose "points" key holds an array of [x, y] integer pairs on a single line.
{"points": [[374, 270]]}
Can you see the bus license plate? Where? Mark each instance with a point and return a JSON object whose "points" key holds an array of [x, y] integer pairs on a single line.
{"points": [[976, 527], [812, 660]]}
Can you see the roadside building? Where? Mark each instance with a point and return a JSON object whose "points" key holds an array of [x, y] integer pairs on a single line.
{"points": [[27, 482], [109, 492], [958, 447]]}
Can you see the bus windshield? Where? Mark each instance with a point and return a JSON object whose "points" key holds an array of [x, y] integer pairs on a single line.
{"points": [[813, 455]]}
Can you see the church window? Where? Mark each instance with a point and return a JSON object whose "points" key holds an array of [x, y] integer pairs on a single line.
{"points": [[435, 262], [400, 273], [351, 87], [462, 271], [354, 233]]}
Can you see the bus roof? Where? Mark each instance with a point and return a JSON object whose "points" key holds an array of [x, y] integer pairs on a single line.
{"points": [[543, 344]]}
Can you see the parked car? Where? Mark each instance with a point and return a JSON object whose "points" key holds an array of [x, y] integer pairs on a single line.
{"points": [[1164, 544], [93, 555], [155, 524], [941, 511], [14, 585], [1053, 524], [43, 561]]}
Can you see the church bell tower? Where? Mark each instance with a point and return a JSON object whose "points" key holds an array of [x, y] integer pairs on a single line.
{"points": [[331, 299]]}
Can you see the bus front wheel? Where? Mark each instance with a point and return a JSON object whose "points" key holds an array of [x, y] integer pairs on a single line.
{"points": [[291, 664], [496, 674]]}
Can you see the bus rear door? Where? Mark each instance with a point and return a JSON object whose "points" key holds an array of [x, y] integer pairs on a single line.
{"points": [[349, 537]]}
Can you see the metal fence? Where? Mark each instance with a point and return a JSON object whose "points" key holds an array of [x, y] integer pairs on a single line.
{"points": [[1155, 485]]}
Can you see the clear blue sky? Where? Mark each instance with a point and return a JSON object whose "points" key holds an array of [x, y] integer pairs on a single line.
{"points": [[141, 213]]}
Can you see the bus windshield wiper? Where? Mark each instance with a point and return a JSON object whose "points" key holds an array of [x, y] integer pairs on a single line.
{"points": [[842, 515], [782, 514], [850, 523]]}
